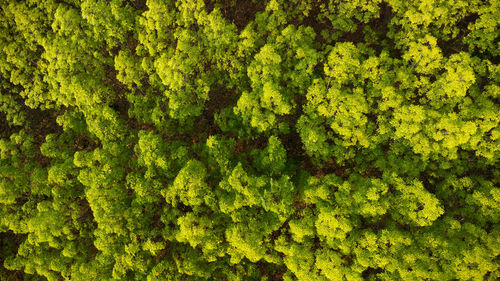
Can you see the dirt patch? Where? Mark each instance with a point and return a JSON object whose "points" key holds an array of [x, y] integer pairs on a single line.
{"points": [[457, 45], [5, 129], [312, 21], [9, 244], [271, 271], [121, 106], [219, 98], [137, 4], [239, 12], [111, 79], [42, 123], [84, 142]]}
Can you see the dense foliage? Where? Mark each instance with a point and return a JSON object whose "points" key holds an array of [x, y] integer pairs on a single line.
{"points": [[249, 140]]}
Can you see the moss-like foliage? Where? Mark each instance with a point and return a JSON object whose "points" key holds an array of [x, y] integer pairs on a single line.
{"points": [[244, 140]]}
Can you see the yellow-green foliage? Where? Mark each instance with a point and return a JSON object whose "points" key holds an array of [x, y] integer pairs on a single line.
{"points": [[249, 140]]}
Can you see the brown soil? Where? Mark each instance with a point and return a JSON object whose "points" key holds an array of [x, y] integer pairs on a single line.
{"points": [[239, 12]]}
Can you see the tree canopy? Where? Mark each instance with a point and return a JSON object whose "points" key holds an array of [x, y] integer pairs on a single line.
{"points": [[249, 140]]}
